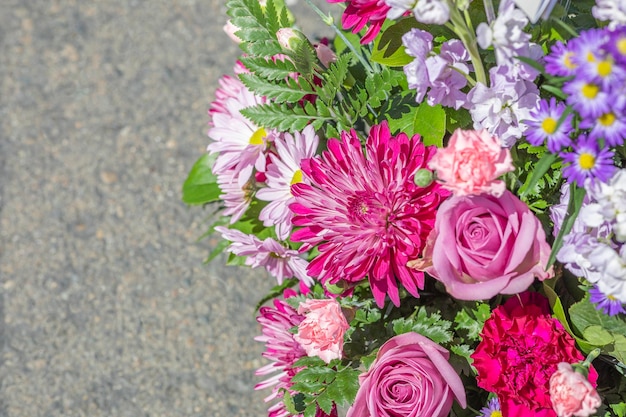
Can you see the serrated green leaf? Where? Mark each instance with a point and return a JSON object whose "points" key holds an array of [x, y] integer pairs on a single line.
{"points": [[618, 349], [269, 69], [201, 187], [283, 117], [324, 402], [433, 327], [473, 321], [619, 409], [287, 90], [310, 410], [430, 123]]}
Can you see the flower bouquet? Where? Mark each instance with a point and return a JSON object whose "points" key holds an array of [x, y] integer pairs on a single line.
{"points": [[439, 192]]}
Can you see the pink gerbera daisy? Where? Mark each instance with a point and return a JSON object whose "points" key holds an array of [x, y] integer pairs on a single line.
{"points": [[366, 213], [359, 13], [281, 174], [281, 349], [239, 142]]}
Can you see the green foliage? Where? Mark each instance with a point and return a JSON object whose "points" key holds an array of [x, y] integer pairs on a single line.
{"points": [[201, 187], [432, 326], [388, 48], [472, 320], [268, 69], [576, 197], [598, 329], [324, 384], [287, 118], [430, 123], [257, 27], [286, 90]]}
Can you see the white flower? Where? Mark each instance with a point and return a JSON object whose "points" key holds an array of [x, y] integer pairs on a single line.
{"points": [[612, 267], [609, 206], [399, 7], [506, 33], [433, 12], [612, 10]]}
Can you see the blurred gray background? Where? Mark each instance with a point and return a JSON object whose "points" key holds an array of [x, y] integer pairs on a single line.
{"points": [[106, 308]]}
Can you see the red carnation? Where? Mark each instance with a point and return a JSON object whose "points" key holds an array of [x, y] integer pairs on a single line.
{"points": [[521, 348]]}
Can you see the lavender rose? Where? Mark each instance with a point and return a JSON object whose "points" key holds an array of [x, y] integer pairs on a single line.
{"points": [[410, 377], [483, 245]]}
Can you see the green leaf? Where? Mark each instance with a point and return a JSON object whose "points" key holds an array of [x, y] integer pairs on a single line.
{"points": [[287, 90], [619, 409], [284, 117], [401, 113], [269, 69], [539, 171], [431, 326], [576, 198], [388, 47], [618, 350], [473, 320], [430, 123], [201, 187], [597, 336]]}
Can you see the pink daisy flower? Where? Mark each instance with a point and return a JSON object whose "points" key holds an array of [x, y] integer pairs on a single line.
{"points": [[366, 213], [281, 349], [279, 261], [284, 171], [236, 197], [359, 13], [239, 142]]}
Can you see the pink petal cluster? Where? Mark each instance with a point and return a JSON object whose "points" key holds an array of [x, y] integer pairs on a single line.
{"points": [[281, 349], [411, 376], [471, 163], [366, 213], [279, 261], [572, 394], [520, 349], [360, 13], [321, 332], [483, 245]]}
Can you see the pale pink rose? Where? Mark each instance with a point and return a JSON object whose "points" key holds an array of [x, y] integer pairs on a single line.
{"points": [[483, 245], [411, 377], [471, 163], [572, 394], [321, 332]]}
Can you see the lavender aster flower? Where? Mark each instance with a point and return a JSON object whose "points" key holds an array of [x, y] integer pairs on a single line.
{"points": [[611, 126], [559, 62], [608, 304], [616, 45], [587, 161], [544, 125], [587, 97], [492, 409], [587, 47]]}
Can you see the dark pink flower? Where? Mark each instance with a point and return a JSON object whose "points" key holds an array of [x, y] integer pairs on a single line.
{"points": [[366, 213], [359, 13], [520, 350]]}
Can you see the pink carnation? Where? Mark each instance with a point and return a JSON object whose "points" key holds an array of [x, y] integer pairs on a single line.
{"points": [[471, 163], [572, 394], [321, 332]]}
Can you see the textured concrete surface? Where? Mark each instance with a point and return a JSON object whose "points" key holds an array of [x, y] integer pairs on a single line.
{"points": [[106, 308]]}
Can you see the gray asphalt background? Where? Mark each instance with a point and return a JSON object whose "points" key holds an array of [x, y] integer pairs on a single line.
{"points": [[106, 308]]}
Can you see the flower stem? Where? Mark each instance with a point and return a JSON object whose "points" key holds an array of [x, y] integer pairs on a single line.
{"points": [[465, 32], [330, 21]]}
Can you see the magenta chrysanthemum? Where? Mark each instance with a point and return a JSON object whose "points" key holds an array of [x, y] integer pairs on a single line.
{"points": [[360, 13], [366, 213]]}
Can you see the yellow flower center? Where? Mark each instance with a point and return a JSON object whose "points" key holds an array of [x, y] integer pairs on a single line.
{"points": [[611, 297], [621, 46], [496, 413], [605, 68], [590, 91], [257, 137], [297, 177], [607, 119], [586, 161], [590, 57], [567, 60], [549, 125]]}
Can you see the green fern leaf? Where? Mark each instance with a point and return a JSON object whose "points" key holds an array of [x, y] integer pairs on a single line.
{"points": [[269, 69], [284, 117], [288, 90]]}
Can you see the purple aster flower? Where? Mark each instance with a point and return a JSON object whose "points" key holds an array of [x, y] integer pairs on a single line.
{"points": [[608, 304], [587, 97], [587, 47], [560, 61], [603, 71], [587, 161], [616, 45], [544, 125], [492, 409], [611, 126]]}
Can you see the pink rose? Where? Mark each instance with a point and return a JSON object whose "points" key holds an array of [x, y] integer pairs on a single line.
{"points": [[321, 332], [483, 245], [471, 163], [411, 376], [572, 394]]}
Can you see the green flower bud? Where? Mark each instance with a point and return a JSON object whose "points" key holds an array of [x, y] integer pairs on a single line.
{"points": [[423, 178]]}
